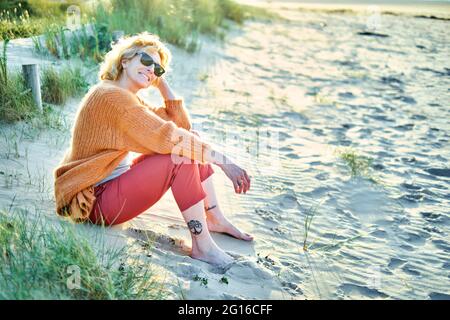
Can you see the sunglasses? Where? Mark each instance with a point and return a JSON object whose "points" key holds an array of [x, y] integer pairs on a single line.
{"points": [[147, 61]]}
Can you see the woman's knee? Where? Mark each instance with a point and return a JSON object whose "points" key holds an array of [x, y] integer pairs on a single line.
{"points": [[169, 167], [205, 171], [151, 158]]}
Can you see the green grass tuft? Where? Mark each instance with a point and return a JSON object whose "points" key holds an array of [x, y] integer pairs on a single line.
{"points": [[203, 281], [224, 280], [58, 86], [179, 22], [176, 21], [309, 216], [26, 18], [16, 102], [359, 165], [41, 260]]}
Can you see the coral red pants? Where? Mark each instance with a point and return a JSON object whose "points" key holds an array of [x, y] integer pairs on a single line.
{"points": [[141, 186]]}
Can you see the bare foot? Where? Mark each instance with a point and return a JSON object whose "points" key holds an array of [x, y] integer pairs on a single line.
{"points": [[215, 256], [218, 223]]}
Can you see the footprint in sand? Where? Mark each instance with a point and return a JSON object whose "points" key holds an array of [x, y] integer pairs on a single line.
{"points": [[149, 237], [248, 271], [354, 291], [287, 200], [188, 270]]}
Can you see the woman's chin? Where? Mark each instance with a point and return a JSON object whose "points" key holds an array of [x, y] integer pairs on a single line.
{"points": [[142, 85]]}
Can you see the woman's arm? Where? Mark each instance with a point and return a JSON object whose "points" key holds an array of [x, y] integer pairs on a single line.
{"points": [[166, 91], [174, 106], [173, 109], [237, 175]]}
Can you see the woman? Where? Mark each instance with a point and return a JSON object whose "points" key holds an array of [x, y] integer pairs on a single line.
{"points": [[98, 182]]}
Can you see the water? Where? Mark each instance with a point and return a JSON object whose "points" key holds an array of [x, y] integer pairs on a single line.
{"points": [[284, 96]]}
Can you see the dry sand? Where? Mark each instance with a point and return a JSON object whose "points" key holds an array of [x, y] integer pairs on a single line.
{"points": [[295, 91], [29, 155]]}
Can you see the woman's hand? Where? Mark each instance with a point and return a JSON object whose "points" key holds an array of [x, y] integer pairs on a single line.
{"points": [[156, 83], [238, 176]]}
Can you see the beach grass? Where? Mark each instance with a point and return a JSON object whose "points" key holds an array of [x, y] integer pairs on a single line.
{"points": [[16, 101], [58, 86], [26, 18], [10, 177], [178, 22], [203, 281], [18, 26], [358, 165], [309, 216], [41, 260], [51, 117], [10, 144], [89, 42]]}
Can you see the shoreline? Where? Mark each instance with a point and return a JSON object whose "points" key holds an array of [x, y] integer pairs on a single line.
{"points": [[430, 9]]}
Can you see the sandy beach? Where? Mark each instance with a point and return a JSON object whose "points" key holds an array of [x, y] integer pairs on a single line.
{"points": [[283, 99]]}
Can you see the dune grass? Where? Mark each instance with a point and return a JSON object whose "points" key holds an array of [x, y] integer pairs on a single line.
{"points": [[58, 86], [309, 216], [175, 21], [18, 26], [26, 18], [179, 22], [41, 260], [16, 102], [309, 246], [89, 42], [358, 165]]}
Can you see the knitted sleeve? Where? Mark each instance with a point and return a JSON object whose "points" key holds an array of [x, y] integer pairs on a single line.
{"points": [[145, 132], [173, 110]]}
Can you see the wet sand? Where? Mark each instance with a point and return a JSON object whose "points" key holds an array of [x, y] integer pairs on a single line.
{"points": [[282, 98]]}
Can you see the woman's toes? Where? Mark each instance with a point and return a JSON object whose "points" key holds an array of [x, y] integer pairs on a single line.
{"points": [[235, 232], [246, 237], [225, 226]]}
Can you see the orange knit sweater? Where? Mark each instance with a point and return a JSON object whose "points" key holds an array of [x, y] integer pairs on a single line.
{"points": [[110, 122]]}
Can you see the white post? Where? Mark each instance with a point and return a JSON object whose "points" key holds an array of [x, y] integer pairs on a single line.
{"points": [[31, 76]]}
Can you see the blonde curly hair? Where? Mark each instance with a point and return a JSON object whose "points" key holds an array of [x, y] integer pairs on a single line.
{"points": [[126, 48]]}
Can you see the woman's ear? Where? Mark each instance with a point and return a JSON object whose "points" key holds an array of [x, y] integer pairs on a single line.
{"points": [[124, 63]]}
